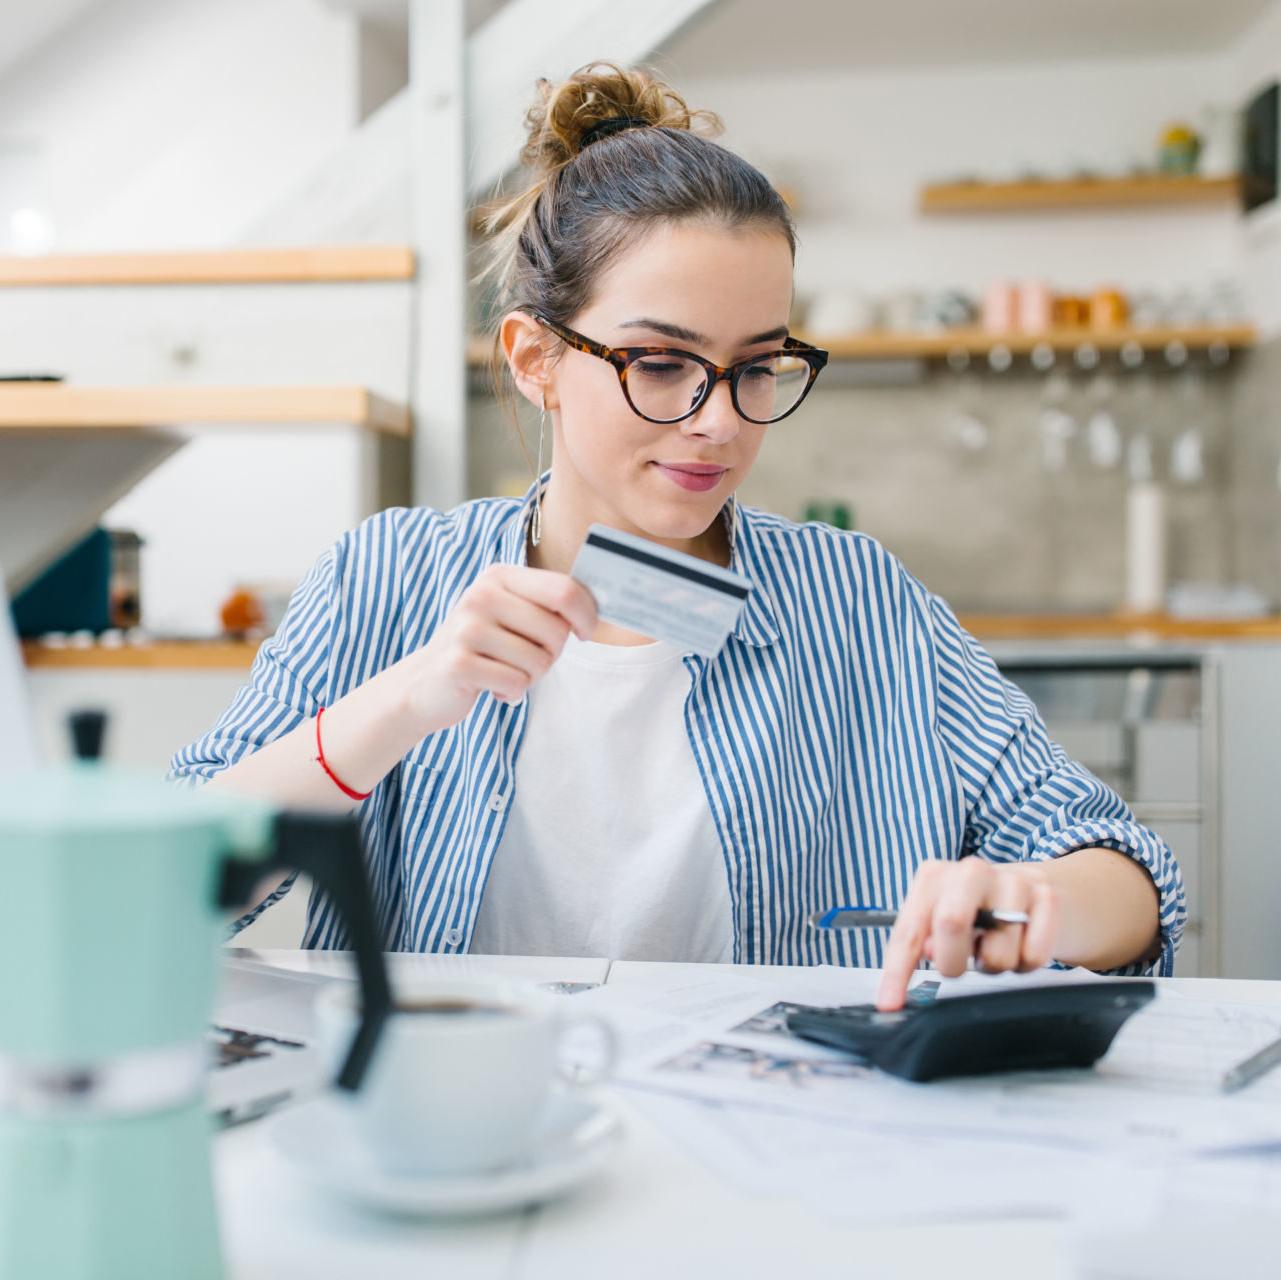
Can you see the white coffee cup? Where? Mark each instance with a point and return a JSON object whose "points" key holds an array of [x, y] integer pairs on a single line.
{"points": [[464, 1071]]}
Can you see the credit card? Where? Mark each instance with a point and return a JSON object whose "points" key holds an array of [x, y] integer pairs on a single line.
{"points": [[658, 592]]}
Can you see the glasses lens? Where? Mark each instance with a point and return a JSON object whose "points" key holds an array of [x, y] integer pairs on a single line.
{"points": [[769, 388], [664, 387]]}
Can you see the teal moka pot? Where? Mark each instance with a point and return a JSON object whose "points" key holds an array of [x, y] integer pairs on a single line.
{"points": [[113, 899]]}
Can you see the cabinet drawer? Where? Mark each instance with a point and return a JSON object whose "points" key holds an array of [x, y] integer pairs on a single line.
{"points": [[1167, 762], [1184, 838]]}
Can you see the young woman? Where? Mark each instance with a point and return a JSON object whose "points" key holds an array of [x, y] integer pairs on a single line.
{"points": [[533, 780]]}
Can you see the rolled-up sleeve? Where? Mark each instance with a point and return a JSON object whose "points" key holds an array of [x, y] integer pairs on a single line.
{"points": [[1026, 799], [287, 684]]}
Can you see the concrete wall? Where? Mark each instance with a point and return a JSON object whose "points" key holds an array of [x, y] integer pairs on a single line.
{"points": [[990, 530], [1254, 493]]}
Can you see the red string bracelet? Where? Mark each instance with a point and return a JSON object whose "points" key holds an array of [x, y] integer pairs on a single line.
{"points": [[333, 777]]}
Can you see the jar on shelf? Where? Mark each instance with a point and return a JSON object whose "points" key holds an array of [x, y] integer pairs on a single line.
{"points": [[1000, 312], [1108, 309], [1071, 311], [1036, 307], [1178, 150]]}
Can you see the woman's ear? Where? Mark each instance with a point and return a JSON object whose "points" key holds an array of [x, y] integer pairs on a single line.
{"points": [[524, 342]]}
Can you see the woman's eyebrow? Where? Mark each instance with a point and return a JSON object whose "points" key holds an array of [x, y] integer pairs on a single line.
{"points": [[688, 335]]}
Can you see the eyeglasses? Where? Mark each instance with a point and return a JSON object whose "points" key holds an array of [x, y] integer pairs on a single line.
{"points": [[665, 385]]}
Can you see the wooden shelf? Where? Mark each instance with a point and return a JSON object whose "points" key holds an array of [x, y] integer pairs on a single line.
{"points": [[238, 655], [1116, 626], [202, 655], [886, 345], [320, 264], [54, 406], [1075, 193]]}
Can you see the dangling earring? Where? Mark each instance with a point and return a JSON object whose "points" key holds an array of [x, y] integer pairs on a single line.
{"points": [[536, 523], [733, 525]]}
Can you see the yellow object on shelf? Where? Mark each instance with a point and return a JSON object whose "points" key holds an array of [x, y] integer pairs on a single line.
{"points": [[1077, 193]]}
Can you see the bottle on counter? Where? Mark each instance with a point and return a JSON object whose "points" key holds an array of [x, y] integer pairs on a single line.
{"points": [[1145, 547]]}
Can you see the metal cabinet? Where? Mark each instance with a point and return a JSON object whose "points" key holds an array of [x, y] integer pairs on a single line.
{"points": [[1136, 720], [1191, 738]]}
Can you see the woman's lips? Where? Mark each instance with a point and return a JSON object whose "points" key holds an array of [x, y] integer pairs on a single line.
{"points": [[697, 479]]}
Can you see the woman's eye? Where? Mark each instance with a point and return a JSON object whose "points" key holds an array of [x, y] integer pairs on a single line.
{"points": [[759, 372], [660, 368]]}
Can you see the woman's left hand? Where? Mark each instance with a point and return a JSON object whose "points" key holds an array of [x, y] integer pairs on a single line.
{"points": [[936, 922]]}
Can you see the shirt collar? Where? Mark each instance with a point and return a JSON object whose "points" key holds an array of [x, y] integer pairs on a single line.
{"points": [[757, 624], [514, 547]]}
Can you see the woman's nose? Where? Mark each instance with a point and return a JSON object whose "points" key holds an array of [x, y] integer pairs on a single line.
{"points": [[717, 418]]}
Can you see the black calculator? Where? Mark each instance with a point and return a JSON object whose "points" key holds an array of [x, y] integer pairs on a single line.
{"points": [[1037, 1028]]}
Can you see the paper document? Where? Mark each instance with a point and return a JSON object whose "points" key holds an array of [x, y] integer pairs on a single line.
{"points": [[851, 1174], [720, 1039], [706, 1056]]}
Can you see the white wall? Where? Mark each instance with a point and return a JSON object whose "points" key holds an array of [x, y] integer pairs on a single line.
{"points": [[859, 145], [251, 507], [174, 122]]}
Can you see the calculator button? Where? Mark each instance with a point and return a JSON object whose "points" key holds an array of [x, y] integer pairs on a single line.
{"points": [[888, 1019]]}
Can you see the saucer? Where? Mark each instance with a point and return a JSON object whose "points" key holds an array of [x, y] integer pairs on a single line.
{"points": [[320, 1142]]}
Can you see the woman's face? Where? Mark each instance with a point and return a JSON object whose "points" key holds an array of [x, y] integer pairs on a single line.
{"points": [[720, 293]]}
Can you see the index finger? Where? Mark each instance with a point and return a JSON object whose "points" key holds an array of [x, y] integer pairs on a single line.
{"points": [[558, 592], [907, 942]]}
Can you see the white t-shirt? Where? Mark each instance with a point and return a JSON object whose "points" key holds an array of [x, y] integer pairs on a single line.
{"points": [[610, 848]]}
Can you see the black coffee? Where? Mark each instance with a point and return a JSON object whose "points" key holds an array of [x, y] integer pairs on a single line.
{"points": [[453, 1007]]}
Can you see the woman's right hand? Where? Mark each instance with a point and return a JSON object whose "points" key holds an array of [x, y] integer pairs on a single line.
{"points": [[504, 633]]}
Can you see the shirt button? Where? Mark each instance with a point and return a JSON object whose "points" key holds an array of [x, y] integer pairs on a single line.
{"points": [[454, 937], [498, 802]]}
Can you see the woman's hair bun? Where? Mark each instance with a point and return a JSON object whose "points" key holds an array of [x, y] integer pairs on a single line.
{"points": [[564, 114]]}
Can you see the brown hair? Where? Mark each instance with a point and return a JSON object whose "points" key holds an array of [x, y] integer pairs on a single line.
{"points": [[589, 194]]}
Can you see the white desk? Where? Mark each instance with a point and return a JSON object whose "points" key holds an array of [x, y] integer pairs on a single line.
{"points": [[658, 1214], [402, 965]]}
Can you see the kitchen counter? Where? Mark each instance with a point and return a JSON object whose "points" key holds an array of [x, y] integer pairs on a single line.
{"points": [[1032, 633], [216, 655]]}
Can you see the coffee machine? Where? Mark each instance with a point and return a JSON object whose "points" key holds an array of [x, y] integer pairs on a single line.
{"points": [[113, 898]]}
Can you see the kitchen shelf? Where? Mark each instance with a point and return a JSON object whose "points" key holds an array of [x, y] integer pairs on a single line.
{"points": [[238, 655], [181, 655], [1075, 193], [313, 265], [1075, 626], [884, 344], [55, 406]]}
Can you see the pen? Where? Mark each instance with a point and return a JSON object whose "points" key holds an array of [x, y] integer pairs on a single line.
{"points": [[1252, 1067], [875, 918]]}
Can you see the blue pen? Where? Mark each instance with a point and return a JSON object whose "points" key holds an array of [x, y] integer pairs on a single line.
{"points": [[877, 918]]}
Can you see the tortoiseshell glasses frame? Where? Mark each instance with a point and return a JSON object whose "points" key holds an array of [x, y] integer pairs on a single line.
{"points": [[622, 359]]}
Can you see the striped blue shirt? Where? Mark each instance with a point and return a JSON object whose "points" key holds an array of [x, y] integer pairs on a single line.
{"points": [[849, 730]]}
